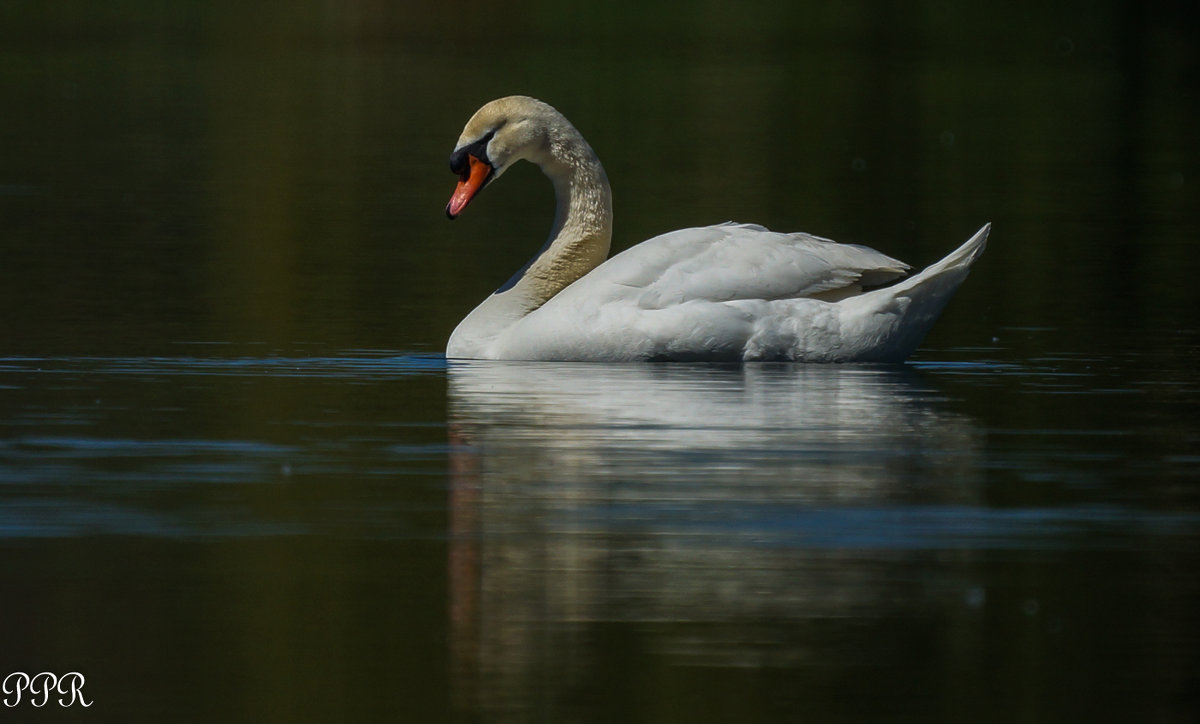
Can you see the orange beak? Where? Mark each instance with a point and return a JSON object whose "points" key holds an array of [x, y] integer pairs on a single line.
{"points": [[468, 186]]}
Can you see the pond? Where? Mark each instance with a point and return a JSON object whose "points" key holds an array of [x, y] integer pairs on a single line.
{"points": [[240, 481]]}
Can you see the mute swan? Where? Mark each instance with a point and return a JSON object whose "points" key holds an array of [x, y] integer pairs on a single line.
{"points": [[725, 292]]}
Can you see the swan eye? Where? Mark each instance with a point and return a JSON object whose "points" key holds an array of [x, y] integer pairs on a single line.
{"points": [[459, 164], [478, 149]]}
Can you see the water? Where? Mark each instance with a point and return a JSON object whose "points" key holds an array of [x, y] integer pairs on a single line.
{"points": [[310, 536], [239, 482]]}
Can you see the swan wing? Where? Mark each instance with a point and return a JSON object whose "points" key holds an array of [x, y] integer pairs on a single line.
{"points": [[728, 262], [594, 320]]}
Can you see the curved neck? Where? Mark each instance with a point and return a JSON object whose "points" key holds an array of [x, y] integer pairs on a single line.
{"points": [[582, 231], [579, 241]]}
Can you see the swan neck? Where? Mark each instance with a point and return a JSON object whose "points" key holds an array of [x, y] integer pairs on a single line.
{"points": [[582, 231]]}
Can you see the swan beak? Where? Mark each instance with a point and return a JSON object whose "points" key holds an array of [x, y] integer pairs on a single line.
{"points": [[469, 185]]}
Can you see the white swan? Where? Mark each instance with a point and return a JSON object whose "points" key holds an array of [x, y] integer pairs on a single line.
{"points": [[725, 292]]}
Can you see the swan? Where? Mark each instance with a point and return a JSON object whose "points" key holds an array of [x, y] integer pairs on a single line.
{"points": [[728, 292]]}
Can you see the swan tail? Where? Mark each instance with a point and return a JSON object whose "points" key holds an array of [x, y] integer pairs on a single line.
{"points": [[902, 314], [950, 271]]}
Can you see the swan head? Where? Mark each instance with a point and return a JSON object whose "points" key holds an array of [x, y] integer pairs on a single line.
{"points": [[501, 133]]}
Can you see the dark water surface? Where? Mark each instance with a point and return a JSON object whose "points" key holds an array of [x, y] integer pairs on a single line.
{"points": [[239, 482]]}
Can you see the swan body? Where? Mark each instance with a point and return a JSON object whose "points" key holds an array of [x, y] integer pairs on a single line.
{"points": [[727, 292]]}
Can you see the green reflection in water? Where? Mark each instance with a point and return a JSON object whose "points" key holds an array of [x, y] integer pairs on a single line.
{"points": [[268, 174]]}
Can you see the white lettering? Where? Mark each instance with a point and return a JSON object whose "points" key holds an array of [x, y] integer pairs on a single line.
{"points": [[75, 679], [41, 687], [14, 684]]}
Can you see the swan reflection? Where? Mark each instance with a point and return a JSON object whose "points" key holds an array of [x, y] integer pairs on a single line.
{"points": [[717, 506]]}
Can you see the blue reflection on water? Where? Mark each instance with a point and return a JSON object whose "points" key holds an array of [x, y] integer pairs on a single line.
{"points": [[365, 363], [211, 447], [895, 528], [58, 518], [791, 456]]}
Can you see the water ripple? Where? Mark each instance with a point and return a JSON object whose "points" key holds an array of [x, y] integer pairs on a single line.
{"points": [[370, 365]]}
